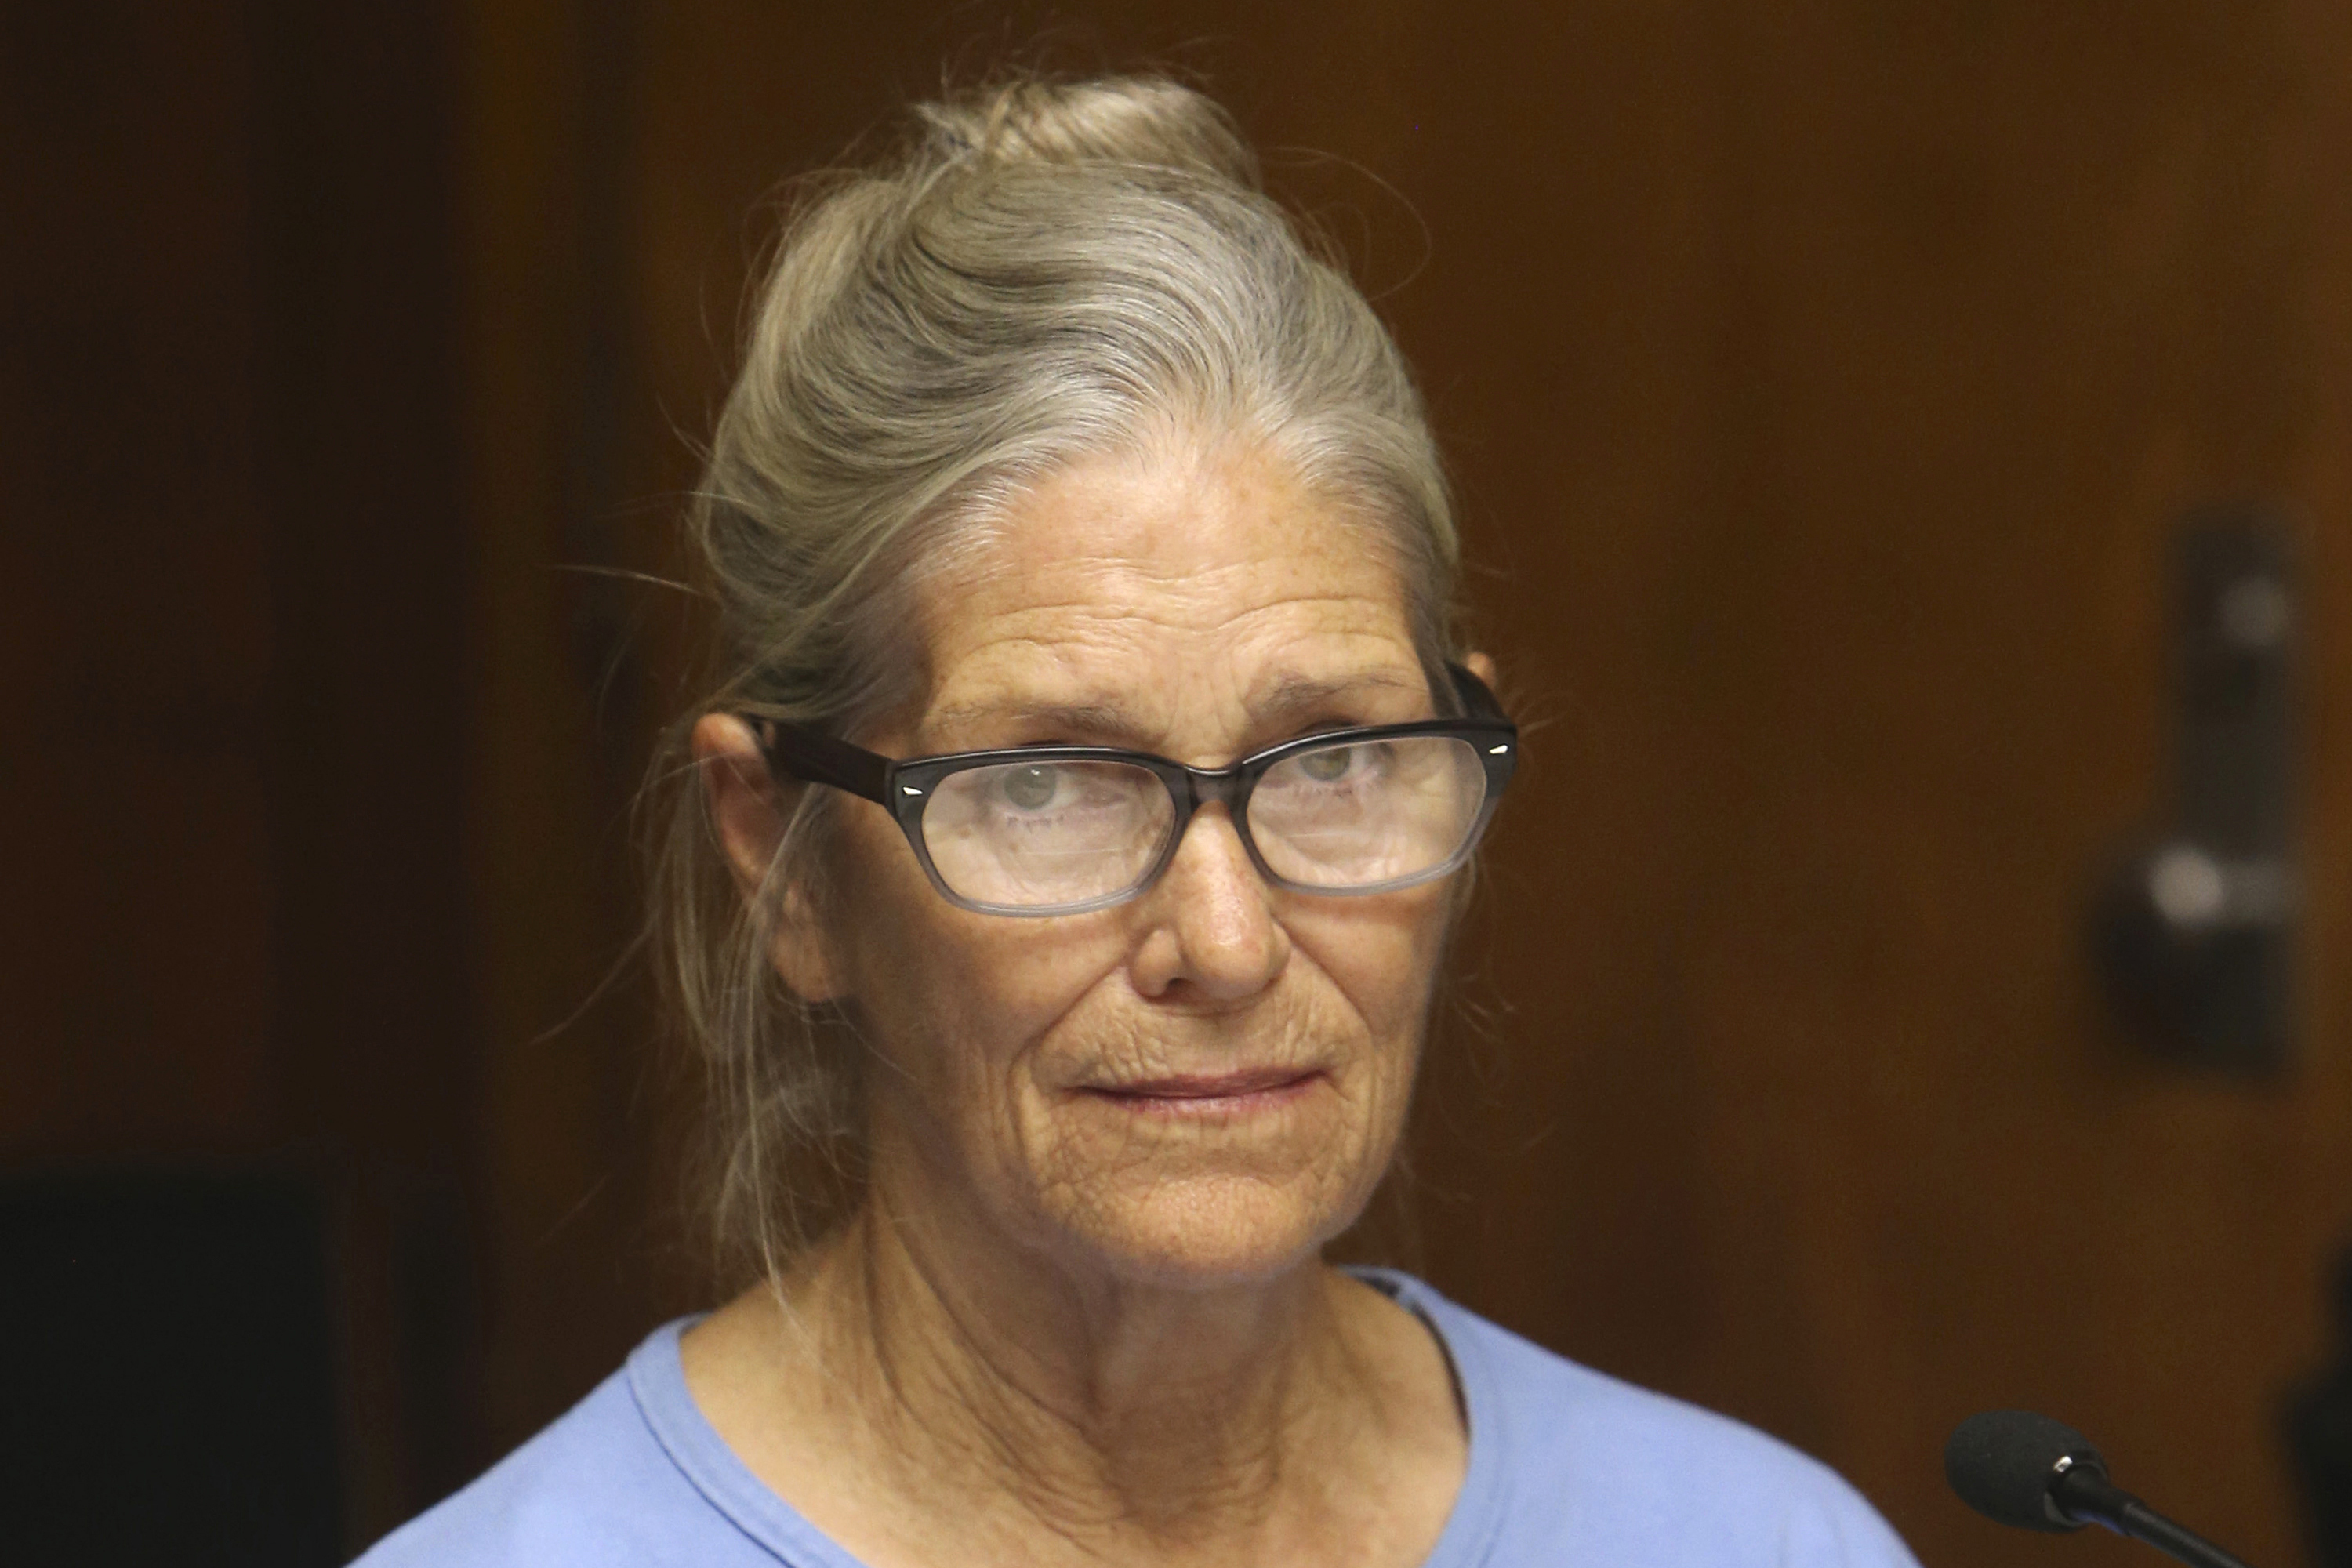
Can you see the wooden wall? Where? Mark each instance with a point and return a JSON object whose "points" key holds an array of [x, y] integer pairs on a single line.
{"points": [[233, 899], [1823, 380]]}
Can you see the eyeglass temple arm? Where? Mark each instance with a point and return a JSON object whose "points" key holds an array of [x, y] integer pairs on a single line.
{"points": [[813, 757], [1476, 697]]}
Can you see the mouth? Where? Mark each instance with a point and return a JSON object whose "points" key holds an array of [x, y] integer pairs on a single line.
{"points": [[1211, 1094]]}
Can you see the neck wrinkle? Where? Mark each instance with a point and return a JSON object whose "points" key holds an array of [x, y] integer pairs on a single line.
{"points": [[1103, 1413]]}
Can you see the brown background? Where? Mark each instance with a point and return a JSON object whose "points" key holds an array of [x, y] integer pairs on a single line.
{"points": [[1823, 380]]}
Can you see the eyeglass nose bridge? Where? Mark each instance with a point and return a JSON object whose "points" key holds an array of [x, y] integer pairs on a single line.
{"points": [[1193, 788], [1227, 787]]}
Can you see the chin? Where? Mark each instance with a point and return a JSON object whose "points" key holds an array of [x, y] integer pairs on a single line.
{"points": [[1205, 1232]]}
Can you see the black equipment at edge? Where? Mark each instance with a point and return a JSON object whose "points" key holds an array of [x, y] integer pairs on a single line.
{"points": [[2028, 1470]]}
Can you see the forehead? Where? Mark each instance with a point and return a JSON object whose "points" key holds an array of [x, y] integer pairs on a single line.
{"points": [[1157, 579]]}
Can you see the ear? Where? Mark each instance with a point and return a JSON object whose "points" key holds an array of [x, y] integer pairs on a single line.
{"points": [[750, 822], [1481, 665]]}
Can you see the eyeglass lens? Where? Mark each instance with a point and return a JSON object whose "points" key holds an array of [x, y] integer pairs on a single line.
{"points": [[1346, 817]]}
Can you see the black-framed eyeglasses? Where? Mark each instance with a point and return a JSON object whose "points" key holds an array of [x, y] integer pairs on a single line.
{"points": [[1060, 830]]}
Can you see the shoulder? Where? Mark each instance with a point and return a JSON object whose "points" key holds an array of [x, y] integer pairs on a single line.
{"points": [[1578, 1460], [595, 1489]]}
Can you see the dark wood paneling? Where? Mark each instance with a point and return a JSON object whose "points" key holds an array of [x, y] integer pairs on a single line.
{"points": [[1821, 381], [374, 1035], [1837, 372], [135, 632], [233, 643], [587, 1248]]}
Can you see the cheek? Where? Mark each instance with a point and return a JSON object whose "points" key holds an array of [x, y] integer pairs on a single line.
{"points": [[1379, 958], [1381, 954], [953, 1000]]}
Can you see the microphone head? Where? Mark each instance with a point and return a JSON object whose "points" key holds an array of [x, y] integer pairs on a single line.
{"points": [[2002, 1462]]}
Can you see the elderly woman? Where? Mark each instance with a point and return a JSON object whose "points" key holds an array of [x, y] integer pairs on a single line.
{"points": [[1074, 844]]}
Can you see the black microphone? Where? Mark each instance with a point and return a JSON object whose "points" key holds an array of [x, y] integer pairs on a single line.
{"points": [[2038, 1474]]}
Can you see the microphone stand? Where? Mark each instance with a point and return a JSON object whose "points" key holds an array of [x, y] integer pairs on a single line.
{"points": [[2081, 1491]]}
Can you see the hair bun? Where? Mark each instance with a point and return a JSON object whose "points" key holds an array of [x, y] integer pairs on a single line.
{"points": [[1149, 122]]}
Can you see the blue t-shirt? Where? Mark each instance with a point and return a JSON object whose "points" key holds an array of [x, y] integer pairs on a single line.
{"points": [[1566, 1466]]}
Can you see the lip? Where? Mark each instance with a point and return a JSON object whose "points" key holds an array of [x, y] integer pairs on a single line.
{"points": [[1197, 1094]]}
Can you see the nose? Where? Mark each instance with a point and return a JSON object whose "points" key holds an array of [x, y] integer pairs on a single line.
{"points": [[1212, 931]]}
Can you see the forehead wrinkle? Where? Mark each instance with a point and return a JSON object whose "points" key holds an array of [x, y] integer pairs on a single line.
{"points": [[1034, 569], [1073, 658], [1089, 718], [1279, 696], [1075, 622], [1117, 602], [1195, 601], [1085, 653]]}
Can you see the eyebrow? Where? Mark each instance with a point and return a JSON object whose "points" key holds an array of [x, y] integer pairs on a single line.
{"points": [[1290, 698]]}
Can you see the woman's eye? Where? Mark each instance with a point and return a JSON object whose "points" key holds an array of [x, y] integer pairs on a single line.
{"points": [[1327, 767], [1030, 788]]}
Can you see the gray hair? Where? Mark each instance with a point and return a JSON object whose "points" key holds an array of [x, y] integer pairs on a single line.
{"points": [[1038, 271]]}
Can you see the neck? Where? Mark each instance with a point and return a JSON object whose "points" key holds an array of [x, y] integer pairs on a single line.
{"points": [[928, 1391], [1100, 1407]]}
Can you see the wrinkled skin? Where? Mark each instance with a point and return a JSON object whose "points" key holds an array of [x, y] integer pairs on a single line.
{"points": [[1107, 1148]]}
